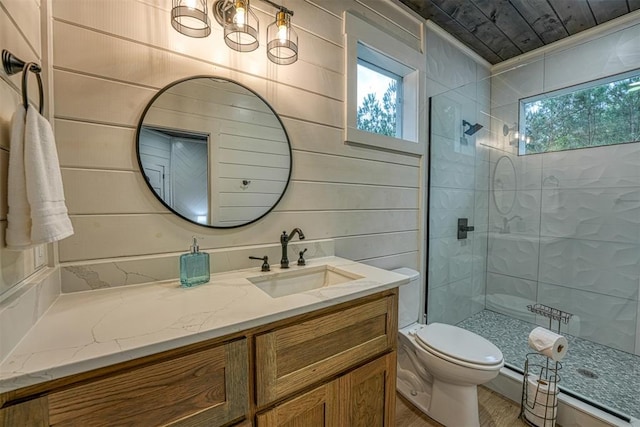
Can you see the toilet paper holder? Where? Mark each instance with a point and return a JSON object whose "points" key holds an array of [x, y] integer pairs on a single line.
{"points": [[539, 405]]}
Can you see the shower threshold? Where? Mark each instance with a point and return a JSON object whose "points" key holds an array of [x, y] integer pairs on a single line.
{"points": [[607, 377]]}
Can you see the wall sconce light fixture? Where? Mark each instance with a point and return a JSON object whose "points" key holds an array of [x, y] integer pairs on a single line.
{"points": [[240, 23], [191, 18], [282, 39], [241, 26]]}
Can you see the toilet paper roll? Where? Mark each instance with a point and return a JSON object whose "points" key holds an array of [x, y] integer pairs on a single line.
{"points": [[549, 343], [542, 402]]}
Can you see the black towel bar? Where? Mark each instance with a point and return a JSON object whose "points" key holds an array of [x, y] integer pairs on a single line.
{"points": [[13, 65]]}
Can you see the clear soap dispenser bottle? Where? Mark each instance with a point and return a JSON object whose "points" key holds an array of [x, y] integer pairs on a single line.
{"points": [[194, 267]]}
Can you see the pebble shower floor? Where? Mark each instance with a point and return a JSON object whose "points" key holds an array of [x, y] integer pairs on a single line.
{"points": [[599, 373]]}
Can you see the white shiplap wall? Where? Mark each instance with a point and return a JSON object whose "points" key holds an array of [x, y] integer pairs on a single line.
{"points": [[111, 57], [19, 34], [27, 287]]}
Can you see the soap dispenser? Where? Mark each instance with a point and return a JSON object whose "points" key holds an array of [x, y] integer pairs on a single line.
{"points": [[194, 267]]}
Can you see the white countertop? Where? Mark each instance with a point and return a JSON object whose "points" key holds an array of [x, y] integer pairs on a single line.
{"points": [[88, 330]]}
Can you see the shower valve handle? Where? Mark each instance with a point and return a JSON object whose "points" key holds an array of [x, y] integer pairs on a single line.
{"points": [[463, 228]]}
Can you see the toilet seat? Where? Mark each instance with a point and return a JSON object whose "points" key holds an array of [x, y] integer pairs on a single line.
{"points": [[459, 346]]}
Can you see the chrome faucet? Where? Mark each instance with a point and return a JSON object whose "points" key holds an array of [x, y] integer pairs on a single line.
{"points": [[505, 224], [284, 241]]}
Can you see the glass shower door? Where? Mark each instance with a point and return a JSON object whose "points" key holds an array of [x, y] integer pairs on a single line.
{"points": [[457, 190]]}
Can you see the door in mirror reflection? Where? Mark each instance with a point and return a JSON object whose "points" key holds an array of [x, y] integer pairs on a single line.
{"points": [[214, 152], [176, 167]]}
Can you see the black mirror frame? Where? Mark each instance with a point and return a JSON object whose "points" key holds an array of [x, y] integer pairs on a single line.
{"points": [[139, 128]]}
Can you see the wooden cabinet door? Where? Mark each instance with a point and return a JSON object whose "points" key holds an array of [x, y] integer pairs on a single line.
{"points": [[367, 394], [316, 408], [32, 413], [205, 388], [293, 357]]}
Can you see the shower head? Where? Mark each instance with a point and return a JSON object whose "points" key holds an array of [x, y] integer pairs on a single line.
{"points": [[472, 128]]}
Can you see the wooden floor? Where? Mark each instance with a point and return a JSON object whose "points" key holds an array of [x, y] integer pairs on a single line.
{"points": [[495, 411]]}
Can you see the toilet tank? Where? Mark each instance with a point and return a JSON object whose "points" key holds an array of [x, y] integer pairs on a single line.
{"points": [[410, 303]]}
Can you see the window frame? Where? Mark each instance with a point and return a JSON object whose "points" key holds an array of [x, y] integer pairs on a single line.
{"points": [[359, 31]]}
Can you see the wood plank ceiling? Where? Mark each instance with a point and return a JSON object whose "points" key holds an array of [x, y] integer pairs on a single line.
{"points": [[501, 29]]}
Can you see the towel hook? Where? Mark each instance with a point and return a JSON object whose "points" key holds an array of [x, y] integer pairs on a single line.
{"points": [[13, 65]]}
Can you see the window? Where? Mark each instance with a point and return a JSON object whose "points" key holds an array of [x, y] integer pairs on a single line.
{"points": [[384, 97], [604, 112], [379, 95]]}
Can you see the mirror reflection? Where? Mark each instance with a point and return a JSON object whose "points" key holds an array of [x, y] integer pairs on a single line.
{"points": [[504, 185], [214, 152]]}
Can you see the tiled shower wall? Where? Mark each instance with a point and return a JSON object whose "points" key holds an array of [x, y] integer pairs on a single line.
{"points": [[573, 239]]}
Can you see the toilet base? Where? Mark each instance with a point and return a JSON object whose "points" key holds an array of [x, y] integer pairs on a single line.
{"points": [[449, 404], [454, 405], [420, 396]]}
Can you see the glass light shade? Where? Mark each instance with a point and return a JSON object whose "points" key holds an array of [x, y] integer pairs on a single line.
{"points": [[191, 18], [241, 27], [282, 40]]}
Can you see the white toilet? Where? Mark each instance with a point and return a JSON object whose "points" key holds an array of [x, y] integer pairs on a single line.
{"points": [[440, 366]]}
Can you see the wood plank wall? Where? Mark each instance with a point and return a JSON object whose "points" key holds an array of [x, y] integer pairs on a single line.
{"points": [[111, 56], [19, 34]]}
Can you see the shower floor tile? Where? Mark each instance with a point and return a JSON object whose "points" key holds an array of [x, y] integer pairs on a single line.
{"points": [[610, 377]]}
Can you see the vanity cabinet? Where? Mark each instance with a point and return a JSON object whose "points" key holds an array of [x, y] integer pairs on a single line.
{"points": [[331, 367], [32, 413], [362, 398], [337, 349], [316, 408], [200, 388], [189, 390], [295, 356]]}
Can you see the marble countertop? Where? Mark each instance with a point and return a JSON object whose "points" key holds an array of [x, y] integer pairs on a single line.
{"points": [[82, 331]]}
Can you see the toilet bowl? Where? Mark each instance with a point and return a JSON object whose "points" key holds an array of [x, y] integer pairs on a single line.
{"points": [[440, 366]]}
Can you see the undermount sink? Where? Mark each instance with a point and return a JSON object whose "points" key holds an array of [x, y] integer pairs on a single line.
{"points": [[285, 283]]}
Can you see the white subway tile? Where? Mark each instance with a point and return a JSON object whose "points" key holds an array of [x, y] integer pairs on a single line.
{"points": [[513, 255], [607, 268]]}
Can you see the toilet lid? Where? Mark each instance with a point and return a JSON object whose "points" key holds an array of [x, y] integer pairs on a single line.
{"points": [[459, 344]]}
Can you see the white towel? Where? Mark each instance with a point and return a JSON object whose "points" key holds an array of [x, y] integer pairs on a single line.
{"points": [[18, 234], [45, 218]]}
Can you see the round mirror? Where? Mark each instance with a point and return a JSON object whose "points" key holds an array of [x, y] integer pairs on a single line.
{"points": [[213, 152], [504, 185]]}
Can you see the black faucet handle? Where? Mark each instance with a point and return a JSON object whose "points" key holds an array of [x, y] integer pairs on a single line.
{"points": [[265, 262], [301, 260]]}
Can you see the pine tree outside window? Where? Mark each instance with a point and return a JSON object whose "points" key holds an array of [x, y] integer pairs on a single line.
{"points": [[379, 100], [603, 112]]}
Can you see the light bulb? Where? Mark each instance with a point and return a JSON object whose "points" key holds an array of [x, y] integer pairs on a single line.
{"points": [[191, 4], [239, 17], [282, 21], [282, 33]]}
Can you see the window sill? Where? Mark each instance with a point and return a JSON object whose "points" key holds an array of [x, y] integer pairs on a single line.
{"points": [[356, 136]]}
